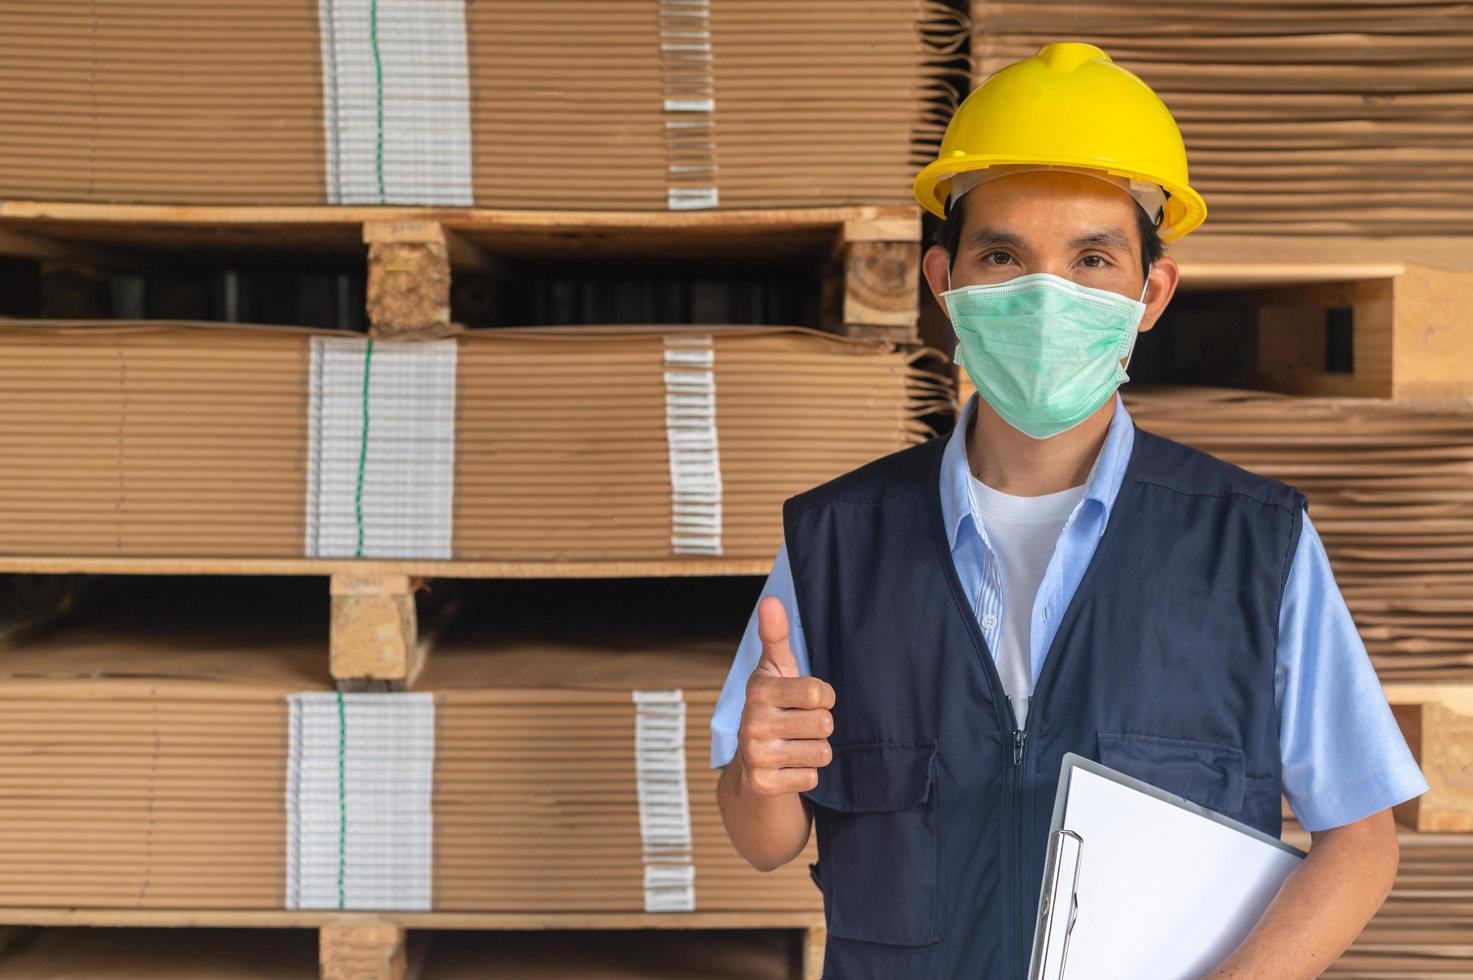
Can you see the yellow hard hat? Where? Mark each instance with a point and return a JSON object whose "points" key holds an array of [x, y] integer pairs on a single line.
{"points": [[1069, 106]]}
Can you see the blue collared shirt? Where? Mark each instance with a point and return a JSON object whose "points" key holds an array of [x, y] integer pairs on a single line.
{"points": [[1343, 755]]}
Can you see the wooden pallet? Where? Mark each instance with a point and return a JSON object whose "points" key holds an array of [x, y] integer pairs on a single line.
{"points": [[1437, 720], [868, 257], [371, 945], [1286, 322]]}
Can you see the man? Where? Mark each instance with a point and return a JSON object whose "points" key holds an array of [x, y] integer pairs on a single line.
{"points": [[941, 625]]}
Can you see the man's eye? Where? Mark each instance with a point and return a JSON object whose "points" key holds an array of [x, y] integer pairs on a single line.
{"points": [[1100, 257], [1005, 257]]}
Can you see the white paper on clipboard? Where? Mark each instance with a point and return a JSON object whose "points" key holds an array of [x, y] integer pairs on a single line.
{"points": [[1142, 883]]}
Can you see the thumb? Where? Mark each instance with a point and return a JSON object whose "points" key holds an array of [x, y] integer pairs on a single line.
{"points": [[772, 628]]}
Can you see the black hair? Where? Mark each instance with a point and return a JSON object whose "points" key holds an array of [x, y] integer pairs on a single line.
{"points": [[949, 235]]}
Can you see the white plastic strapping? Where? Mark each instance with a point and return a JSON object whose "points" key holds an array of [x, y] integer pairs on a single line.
{"points": [[690, 104], [404, 456], [360, 774], [691, 434], [396, 101], [664, 801]]}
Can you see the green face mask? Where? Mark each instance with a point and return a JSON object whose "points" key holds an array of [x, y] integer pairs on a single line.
{"points": [[1043, 351]]}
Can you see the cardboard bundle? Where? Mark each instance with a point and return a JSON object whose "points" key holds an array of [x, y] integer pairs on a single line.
{"points": [[539, 801], [1321, 118], [157, 760], [146, 761], [1423, 928], [1389, 491], [189, 439], [605, 104], [158, 102]]}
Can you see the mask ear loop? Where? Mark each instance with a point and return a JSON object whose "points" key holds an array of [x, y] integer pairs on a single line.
{"points": [[1136, 333]]}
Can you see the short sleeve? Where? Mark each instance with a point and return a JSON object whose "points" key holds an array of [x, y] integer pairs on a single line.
{"points": [[728, 715], [1343, 755]]}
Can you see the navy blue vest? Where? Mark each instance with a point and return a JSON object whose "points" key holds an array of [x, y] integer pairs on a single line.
{"points": [[932, 819]]}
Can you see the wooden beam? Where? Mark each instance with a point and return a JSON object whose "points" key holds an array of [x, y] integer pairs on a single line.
{"points": [[621, 568], [408, 279], [31, 245], [881, 280], [373, 644], [815, 938], [369, 951], [272, 918], [1442, 741], [1432, 343]]}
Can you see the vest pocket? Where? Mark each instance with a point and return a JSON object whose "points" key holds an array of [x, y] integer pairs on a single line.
{"points": [[875, 816], [1208, 773]]}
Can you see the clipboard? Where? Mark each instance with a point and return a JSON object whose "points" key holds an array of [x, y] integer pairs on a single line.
{"points": [[1141, 882]]}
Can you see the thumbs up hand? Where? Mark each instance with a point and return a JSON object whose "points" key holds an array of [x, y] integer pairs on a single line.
{"points": [[786, 721]]}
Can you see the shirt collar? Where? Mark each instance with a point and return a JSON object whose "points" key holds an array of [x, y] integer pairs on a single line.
{"points": [[1103, 485]]}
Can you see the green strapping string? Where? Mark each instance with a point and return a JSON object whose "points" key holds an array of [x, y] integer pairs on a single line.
{"points": [[362, 450], [342, 799], [378, 67]]}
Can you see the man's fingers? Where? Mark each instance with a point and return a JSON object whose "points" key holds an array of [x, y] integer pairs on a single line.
{"points": [[772, 629], [770, 722], [777, 754], [780, 782], [790, 692]]}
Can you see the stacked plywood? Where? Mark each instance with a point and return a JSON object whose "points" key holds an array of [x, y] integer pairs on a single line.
{"points": [[153, 755], [605, 104], [1325, 117], [1390, 486], [528, 444]]}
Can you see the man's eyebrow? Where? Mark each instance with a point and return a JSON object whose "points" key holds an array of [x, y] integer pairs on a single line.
{"points": [[1103, 237], [985, 238]]}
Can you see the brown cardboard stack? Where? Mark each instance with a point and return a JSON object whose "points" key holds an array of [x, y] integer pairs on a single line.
{"points": [[606, 104], [170, 439], [536, 806], [149, 748], [167, 101], [555, 420], [146, 748], [649, 104], [1390, 487], [1323, 118], [1424, 927]]}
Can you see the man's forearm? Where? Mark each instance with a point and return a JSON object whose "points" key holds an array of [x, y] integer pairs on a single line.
{"points": [[1322, 906], [769, 831]]}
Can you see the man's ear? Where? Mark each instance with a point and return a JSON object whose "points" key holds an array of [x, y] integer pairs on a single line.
{"points": [[933, 265], [1161, 287]]}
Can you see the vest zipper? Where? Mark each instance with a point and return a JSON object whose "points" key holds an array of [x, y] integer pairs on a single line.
{"points": [[1020, 742]]}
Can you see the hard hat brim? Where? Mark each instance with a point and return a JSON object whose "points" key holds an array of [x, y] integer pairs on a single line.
{"points": [[1185, 210]]}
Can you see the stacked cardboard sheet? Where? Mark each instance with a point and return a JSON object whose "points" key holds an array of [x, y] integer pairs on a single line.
{"points": [[607, 104], [147, 748], [157, 761], [1423, 928], [1320, 118], [157, 102], [1390, 488], [539, 801], [183, 439]]}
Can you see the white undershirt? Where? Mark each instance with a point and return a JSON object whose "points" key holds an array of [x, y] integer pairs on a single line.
{"points": [[1023, 532]]}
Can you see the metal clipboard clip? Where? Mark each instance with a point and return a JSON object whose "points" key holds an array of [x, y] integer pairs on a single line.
{"points": [[1058, 905]]}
